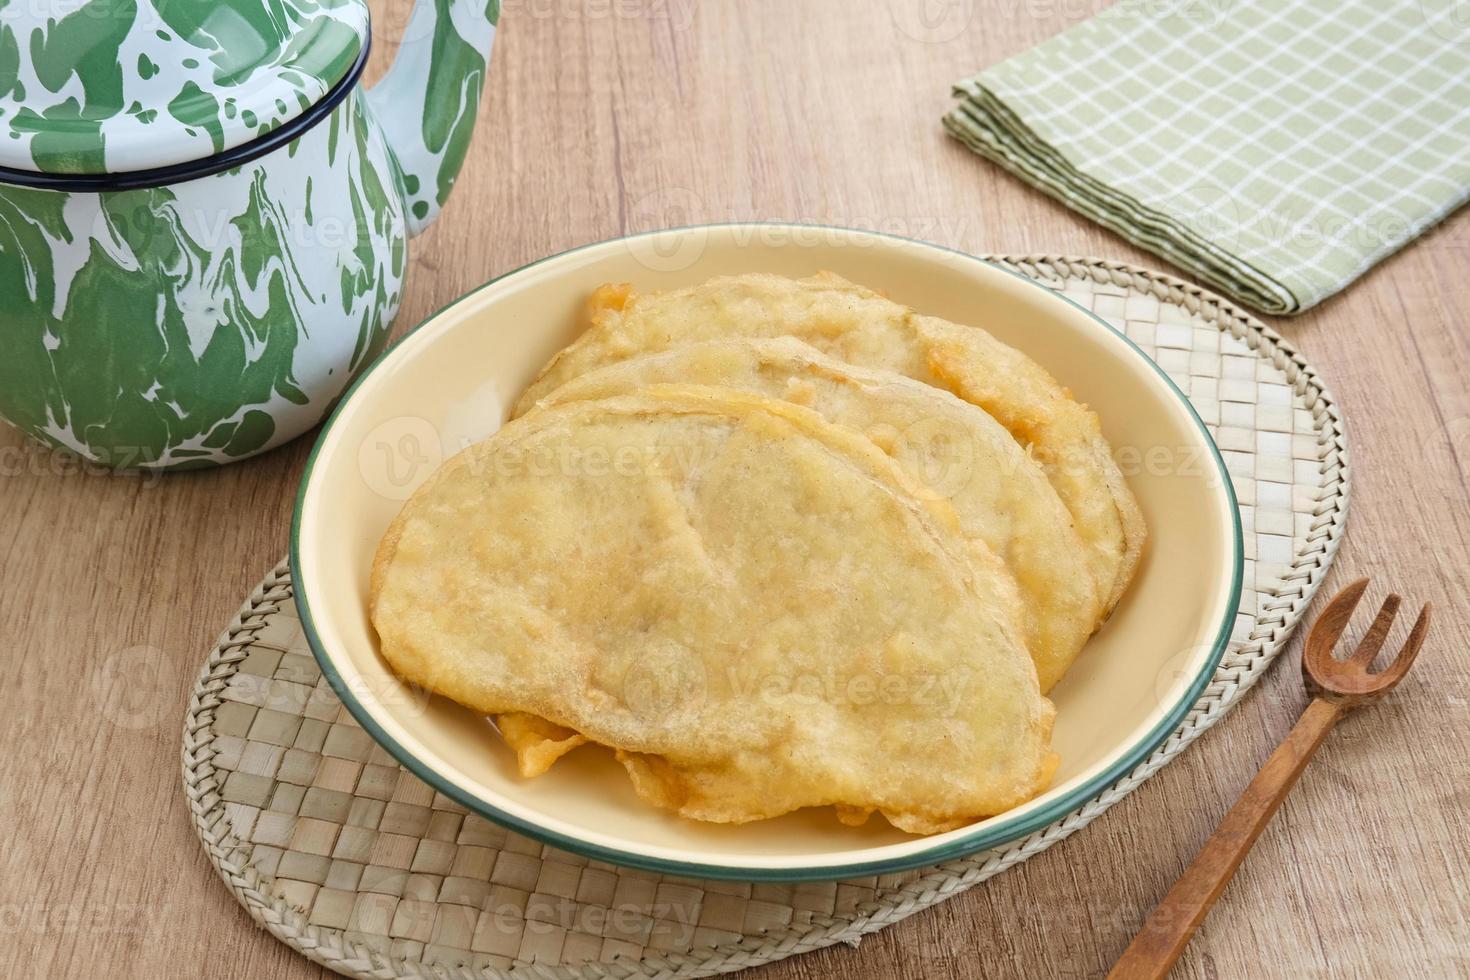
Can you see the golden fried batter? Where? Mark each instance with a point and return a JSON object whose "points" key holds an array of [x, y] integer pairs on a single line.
{"points": [[950, 447], [756, 608], [857, 325]]}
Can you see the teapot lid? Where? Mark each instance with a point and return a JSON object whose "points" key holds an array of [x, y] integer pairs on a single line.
{"points": [[93, 87]]}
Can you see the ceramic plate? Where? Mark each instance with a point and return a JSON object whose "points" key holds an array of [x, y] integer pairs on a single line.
{"points": [[450, 383]]}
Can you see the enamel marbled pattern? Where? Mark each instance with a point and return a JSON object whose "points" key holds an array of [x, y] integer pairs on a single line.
{"points": [[205, 321], [429, 99], [109, 86]]}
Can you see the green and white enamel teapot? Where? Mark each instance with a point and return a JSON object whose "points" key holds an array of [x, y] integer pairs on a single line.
{"points": [[203, 216]]}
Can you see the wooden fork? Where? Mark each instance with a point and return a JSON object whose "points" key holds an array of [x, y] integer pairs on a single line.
{"points": [[1337, 687]]}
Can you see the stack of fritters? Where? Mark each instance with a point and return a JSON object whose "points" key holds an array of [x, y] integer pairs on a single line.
{"points": [[778, 543]]}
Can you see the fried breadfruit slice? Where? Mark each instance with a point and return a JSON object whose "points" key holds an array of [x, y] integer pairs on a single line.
{"points": [[857, 325], [536, 742], [754, 607], [950, 447]]}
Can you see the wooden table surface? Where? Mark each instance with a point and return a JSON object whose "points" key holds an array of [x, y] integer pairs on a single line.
{"points": [[612, 116]]}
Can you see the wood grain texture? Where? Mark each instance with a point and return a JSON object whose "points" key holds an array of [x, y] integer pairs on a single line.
{"points": [[1340, 682], [608, 116]]}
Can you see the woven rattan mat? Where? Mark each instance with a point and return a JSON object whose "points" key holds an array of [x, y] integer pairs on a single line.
{"points": [[350, 859]]}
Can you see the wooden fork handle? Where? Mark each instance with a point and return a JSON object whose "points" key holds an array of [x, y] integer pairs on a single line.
{"points": [[1168, 930]]}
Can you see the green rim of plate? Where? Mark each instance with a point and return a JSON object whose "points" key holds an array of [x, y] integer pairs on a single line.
{"points": [[995, 835]]}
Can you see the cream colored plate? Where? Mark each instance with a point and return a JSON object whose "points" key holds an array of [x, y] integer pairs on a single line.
{"points": [[450, 383]]}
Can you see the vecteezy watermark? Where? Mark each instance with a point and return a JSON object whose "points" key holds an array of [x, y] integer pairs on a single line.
{"points": [[670, 229], [932, 21], [677, 247], [385, 689], [679, 14], [662, 683], [85, 917], [942, 692], [135, 688], [1204, 13], [35, 459], [943, 453], [1167, 14], [1188, 462], [1208, 208], [1449, 442], [671, 459], [143, 17], [1177, 672], [398, 455], [677, 209], [1450, 19], [947, 455], [661, 923], [1228, 218], [149, 219]]}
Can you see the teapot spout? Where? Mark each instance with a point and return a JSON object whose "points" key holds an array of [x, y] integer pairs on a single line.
{"points": [[427, 101]]}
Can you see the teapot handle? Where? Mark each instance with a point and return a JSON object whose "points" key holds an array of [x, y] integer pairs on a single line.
{"points": [[426, 102]]}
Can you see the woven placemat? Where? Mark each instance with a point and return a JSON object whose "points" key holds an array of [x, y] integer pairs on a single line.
{"points": [[347, 857]]}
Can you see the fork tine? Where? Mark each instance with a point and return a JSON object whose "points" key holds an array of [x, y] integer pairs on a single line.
{"points": [[1372, 640], [1395, 671], [1330, 624]]}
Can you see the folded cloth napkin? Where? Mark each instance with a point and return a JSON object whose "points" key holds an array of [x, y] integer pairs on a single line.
{"points": [[1275, 149]]}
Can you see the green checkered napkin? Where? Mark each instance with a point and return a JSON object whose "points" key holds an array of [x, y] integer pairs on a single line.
{"points": [[1275, 149]]}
